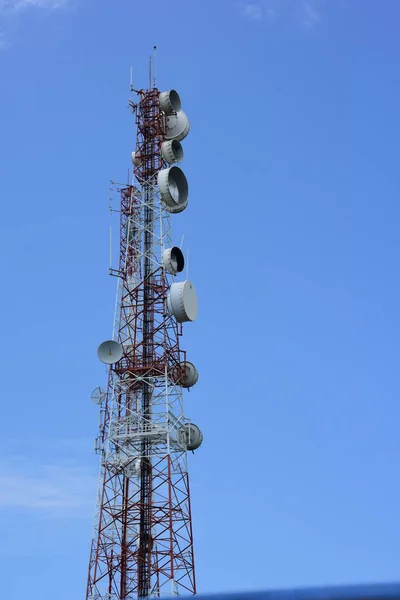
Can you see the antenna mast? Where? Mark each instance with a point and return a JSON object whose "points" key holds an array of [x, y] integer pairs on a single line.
{"points": [[143, 543], [155, 66]]}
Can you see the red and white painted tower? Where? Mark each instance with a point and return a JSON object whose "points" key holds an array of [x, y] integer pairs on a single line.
{"points": [[143, 543]]}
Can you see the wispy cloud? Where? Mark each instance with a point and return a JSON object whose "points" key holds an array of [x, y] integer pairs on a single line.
{"points": [[12, 11], [310, 13], [9, 6], [56, 489], [307, 13], [252, 12], [263, 10]]}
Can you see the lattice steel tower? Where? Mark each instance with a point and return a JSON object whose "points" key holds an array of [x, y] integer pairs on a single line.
{"points": [[143, 544]]}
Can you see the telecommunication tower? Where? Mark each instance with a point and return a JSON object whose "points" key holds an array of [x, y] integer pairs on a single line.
{"points": [[143, 543]]}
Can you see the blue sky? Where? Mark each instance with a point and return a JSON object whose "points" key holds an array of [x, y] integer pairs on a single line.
{"points": [[293, 232]]}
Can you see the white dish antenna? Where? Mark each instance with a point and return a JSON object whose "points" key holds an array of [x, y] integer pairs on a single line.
{"points": [[178, 126], [174, 189], [172, 151], [173, 260], [177, 208], [98, 395], [170, 102], [136, 159], [110, 352], [189, 374], [191, 437], [182, 301]]}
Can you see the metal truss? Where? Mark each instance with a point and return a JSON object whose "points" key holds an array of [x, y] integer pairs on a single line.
{"points": [[143, 544]]}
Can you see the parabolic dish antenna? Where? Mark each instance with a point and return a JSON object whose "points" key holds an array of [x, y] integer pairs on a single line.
{"points": [[98, 395], [178, 126], [182, 301], [172, 151], [170, 102], [189, 376], [136, 159], [173, 260], [191, 436], [174, 189], [110, 352], [178, 208]]}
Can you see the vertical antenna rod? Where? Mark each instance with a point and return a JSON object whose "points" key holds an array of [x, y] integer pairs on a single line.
{"points": [[155, 66], [149, 72]]}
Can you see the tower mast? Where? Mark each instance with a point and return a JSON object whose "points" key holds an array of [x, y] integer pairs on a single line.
{"points": [[143, 543]]}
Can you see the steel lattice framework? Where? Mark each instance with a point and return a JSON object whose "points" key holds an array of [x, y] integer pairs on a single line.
{"points": [[143, 544]]}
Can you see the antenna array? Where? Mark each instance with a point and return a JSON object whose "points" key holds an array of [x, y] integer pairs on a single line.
{"points": [[143, 544]]}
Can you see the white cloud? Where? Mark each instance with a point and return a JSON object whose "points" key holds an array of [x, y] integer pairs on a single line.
{"points": [[12, 10], [310, 13], [263, 10], [253, 12], [8, 6], [54, 488]]}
